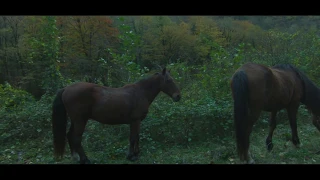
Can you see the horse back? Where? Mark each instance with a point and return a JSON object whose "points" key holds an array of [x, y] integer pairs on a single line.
{"points": [[105, 104], [78, 97], [271, 88], [120, 105], [259, 78], [286, 81]]}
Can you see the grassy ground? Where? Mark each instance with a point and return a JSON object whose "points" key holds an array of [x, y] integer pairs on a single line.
{"points": [[215, 151]]}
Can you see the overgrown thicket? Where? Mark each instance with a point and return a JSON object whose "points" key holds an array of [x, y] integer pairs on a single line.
{"points": [[39, 55]]}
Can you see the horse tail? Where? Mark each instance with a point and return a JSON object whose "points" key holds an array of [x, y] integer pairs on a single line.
{"points": [[59, 124], [241, 97]]}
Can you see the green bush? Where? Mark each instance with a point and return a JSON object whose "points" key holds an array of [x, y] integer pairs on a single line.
{"points": [[12, 98], [22, 117]]}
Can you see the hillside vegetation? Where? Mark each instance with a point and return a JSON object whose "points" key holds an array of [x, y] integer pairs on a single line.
{"points": [[40, 54]]}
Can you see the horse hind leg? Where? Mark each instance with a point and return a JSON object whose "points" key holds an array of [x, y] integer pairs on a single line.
{"points": [[272, 126], [74, 155], [75, 138], [253, 117], [315, 122], [292, 115]]}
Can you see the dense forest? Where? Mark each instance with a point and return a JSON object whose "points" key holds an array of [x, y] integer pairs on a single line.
{"points": [[40, 54]]}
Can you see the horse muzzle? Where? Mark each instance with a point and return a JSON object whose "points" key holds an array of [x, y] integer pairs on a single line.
{"points": [[176, 97]]}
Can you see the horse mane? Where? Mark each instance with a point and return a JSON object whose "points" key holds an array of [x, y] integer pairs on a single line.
{"points": [[145, 78], [310, 91], [147, 82]]}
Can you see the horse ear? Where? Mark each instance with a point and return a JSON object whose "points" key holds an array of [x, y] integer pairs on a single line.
{"points": [[164, 71]]}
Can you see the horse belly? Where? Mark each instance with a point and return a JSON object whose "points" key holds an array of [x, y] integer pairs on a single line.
{"points": [[113, 119], [270, 108], [110, 112], [275, 104]]}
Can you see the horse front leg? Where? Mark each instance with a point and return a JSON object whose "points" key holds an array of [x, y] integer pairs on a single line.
{"points": [[134, 149], [316, 123]]}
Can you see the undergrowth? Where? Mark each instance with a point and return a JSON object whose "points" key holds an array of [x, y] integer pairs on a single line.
{"points": [[192, 131]]}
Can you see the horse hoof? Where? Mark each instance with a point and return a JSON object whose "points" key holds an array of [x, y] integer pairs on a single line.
{"points": [[296, 142], [251, 161], [86, 161], [269, 147], [75, 157], [132, 157]]}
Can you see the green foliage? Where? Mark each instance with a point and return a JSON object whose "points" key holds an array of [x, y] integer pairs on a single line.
{"points": [[43, 55], [21, 116], [201, 55], [11, 98], [125, 59], [197, 117]]}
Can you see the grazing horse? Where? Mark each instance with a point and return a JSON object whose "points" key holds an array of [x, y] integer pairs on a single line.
{"points": [[257, 88], [125, 105]]}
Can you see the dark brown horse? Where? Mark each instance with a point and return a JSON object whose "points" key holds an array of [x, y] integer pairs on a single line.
{"points": [[126, 105], [257, 88]]}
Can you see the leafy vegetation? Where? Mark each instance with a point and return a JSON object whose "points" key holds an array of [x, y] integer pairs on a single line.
{"points": [[41, 54]]}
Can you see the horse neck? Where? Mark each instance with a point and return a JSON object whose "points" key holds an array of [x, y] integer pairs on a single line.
{"points": [[150, 87], [312, 99]]}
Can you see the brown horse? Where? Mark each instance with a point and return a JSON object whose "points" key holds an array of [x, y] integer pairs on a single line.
{"points": [[257, 88], [125, 105]]}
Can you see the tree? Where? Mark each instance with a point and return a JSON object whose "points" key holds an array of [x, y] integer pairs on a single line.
{"points": [[85, 40], [11, 62], [41, 47]]}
